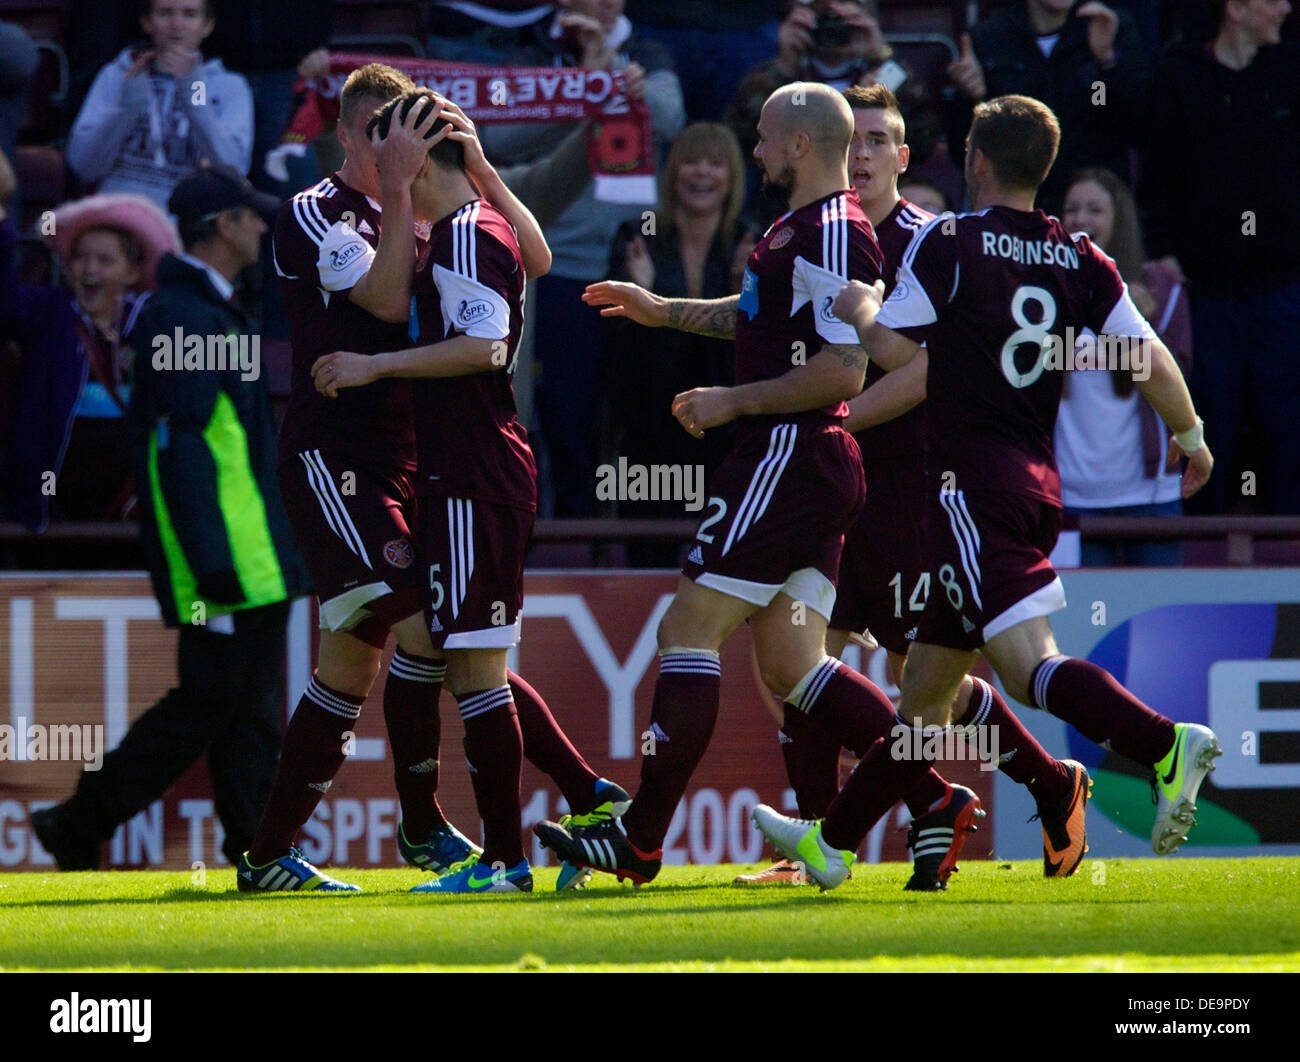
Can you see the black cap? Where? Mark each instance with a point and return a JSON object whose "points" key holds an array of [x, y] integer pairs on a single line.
{"points": [[215, 188]]}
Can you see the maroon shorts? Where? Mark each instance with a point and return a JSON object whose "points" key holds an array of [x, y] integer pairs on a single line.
{"points": [[353, 526], [473, 553], [988, 552], [777, 512], [884, 573]]}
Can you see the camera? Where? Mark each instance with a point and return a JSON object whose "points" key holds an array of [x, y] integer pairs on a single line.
{"points": [[831, 31]]}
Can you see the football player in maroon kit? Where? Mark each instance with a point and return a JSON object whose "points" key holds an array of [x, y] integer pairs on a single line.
{"points": [[884, 576], [347, 472], [768, 549], [477, 484], [345, 475], [993, 298]]}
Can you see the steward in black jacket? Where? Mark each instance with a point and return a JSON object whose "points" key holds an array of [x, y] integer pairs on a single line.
{"points": [[212, 523]]}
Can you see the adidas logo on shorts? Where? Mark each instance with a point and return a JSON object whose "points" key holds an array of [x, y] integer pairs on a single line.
{"points": [[696, 556], [967, 625]]}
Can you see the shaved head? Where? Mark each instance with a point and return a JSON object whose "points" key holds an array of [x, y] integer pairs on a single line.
{"points": [[816, 110]]}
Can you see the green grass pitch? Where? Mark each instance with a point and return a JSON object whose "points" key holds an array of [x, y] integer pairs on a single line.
{"points": [[1131, 915]]}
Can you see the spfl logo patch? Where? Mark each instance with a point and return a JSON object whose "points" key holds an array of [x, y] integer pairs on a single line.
{"points": [[469, 312], [341, 257], [398, 553]]}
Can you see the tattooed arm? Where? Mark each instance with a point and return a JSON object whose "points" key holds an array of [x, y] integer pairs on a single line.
{"points": [[705, 317], [835, 373]]}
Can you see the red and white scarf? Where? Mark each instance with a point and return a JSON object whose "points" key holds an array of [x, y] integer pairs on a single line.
{"points": [[620, 145]]}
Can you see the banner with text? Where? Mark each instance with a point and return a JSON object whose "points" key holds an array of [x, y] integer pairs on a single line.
{"points": [[84, 651]]}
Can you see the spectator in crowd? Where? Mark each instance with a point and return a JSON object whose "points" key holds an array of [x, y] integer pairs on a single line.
{"points": [[18, 62], [594, 34], [925, 194], [688, 254], [68, 454], [1235, 236], [1084, 60], [839, 43], [157, 112], [713, 45], [216, 539], [1111, 447]]}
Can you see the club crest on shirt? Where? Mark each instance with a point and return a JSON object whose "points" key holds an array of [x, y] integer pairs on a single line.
{"points": [[342, 256], [398, 553], [469, 312], [781, 239]]}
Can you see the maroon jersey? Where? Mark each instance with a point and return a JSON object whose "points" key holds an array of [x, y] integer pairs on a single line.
{"points": [[903, 436], [325, 240], [469, 440], [999, 301], [791, 280]]}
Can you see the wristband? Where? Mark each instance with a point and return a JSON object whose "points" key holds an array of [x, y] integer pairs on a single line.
{"points": [[1192, 439]]}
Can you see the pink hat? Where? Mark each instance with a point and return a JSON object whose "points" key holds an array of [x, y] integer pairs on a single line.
{"points": [[134, 213]]}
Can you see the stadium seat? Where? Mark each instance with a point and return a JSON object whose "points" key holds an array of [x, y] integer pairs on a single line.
{"points": [[47, 93]]}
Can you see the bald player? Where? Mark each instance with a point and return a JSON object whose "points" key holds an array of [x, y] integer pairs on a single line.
{"points": [[885, 575], [768, 548]]}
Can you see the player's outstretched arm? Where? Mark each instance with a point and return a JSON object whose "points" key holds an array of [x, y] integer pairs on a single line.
{"points": [[458, 356], [1166, 390], [705, 317], [889, 397], [835, 373]]}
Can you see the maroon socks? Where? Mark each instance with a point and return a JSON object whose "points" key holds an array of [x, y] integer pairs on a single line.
{"points": [[1021, 757], [494, 752], [310, 757], [681, 723], [414, 733], [548, 749], [1090, 700]]}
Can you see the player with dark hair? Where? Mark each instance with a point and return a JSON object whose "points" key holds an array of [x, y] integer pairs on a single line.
{"points": [[346, 471], [984, 297], [884, 577], [768, 550], [477, 482]]}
